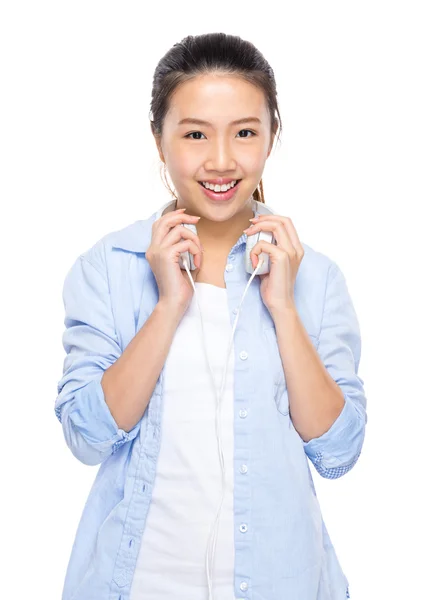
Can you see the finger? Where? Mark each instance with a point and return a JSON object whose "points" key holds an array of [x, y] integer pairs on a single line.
{"points": [[275, 253], [157, 222], [177, 249], [178, 232], [167, 222], [290, 228], [281, 235]]}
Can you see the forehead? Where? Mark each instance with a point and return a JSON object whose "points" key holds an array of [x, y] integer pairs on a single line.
{"points": [[218, 99]]}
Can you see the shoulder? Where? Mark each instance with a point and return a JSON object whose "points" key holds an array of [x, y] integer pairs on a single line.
{"points": [[134, 238], [313, 279], [315, 266]]}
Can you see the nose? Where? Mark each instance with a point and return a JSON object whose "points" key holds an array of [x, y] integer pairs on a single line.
{"points": [[220, 157]]}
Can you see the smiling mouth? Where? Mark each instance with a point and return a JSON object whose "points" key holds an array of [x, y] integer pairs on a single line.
{"points": [[220, 196], [219, 192]]}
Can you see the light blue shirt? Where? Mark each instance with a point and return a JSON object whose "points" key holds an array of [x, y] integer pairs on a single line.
{"points": [[284, 552]]}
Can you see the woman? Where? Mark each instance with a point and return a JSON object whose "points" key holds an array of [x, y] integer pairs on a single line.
{"points": [[151, 311]]}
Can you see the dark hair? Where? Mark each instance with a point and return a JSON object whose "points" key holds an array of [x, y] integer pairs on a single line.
{"points": [[212, 52]]}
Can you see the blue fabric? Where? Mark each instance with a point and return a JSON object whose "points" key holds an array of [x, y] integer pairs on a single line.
{"points": [[285, 551]]}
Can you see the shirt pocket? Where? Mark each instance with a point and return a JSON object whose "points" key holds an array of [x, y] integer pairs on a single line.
{"points": [[279, 388]]}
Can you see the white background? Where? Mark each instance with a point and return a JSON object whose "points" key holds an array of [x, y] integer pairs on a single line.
{"points": [[356, 172]]}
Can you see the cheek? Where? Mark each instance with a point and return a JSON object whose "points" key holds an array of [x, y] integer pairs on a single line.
{"points": [[182, 166], [252, 162]]}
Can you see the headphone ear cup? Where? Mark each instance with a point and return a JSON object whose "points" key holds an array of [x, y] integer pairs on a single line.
{"points": [[188, 256], [251, 241]]}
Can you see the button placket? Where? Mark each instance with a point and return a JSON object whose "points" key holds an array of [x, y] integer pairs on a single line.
{"points": [[243, 413]]}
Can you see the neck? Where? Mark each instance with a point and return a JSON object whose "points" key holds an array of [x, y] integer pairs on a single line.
{"points": [[221, 236]]}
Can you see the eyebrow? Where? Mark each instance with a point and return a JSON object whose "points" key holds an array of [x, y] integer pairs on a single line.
{"points": [[193, 121]]}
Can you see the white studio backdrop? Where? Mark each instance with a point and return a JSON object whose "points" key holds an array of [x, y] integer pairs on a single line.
{"points": [[356, 172]]}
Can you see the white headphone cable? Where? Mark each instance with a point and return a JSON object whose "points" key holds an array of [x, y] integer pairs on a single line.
{"points": [[218, 413]]}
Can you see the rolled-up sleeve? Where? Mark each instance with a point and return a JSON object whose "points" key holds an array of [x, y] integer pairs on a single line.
{"points": [[336, 451], [91, 344]]}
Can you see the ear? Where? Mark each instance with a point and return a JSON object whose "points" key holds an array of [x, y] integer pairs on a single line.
{"points": [[157, 139], [274, 132], [270, 146]]}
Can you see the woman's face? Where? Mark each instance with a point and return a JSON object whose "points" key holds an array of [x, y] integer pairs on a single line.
{"points": [[195, 152]]}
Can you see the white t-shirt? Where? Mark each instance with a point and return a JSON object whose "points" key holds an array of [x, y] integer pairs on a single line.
{"points": [[187, 488]]}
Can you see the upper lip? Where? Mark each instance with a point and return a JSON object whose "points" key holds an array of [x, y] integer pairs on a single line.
{"points": [[220, 181]]}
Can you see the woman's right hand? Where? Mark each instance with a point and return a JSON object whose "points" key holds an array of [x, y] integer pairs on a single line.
{"points": [[175, 288]]}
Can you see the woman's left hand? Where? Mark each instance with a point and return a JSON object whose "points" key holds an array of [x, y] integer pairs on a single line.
{"points": [[277, 286]]}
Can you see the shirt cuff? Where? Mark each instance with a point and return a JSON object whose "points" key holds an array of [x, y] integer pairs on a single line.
{"points": [[341, 444], [91, 417]]}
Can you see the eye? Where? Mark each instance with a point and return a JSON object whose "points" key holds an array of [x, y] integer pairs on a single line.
{"points": [[250, 131], [196, 132], [193, 133]]}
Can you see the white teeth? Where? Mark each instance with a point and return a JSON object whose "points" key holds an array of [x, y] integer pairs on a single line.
{"points": [[217, 187]]}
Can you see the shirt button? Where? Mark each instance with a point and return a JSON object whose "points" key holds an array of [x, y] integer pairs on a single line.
{"points": [[243, 469], [243, 586], [243, 528], [243, 355], [235, 311], [243, 413], [229, 267]]}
